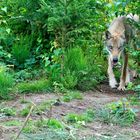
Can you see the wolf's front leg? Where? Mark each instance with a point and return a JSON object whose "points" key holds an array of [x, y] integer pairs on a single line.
{"points": [[112, 80], [125, 74]]}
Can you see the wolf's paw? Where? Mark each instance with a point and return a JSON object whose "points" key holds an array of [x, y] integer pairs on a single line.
{"points": [[113, 83], [121, 87]]}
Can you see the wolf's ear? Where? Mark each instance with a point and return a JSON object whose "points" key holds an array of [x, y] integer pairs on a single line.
{"points": [[107, 35]]}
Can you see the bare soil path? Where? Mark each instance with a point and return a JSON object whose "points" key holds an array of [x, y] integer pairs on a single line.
{"points": [[92, 99]]}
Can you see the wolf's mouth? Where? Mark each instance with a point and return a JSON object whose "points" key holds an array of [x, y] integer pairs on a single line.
{"points": [[114, 63]]}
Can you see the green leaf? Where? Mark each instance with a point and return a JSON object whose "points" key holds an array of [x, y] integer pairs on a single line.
{"points": [[4, 9]]}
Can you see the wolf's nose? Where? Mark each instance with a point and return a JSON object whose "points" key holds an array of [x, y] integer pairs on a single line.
{"points": [[115, 60]]}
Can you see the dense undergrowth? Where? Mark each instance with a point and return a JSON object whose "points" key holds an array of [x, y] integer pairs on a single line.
{"points": [[58, 46], [47, 45]]}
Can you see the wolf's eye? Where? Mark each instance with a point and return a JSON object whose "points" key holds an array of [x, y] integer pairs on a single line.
{"points": [[110, 47], [120, 47]]}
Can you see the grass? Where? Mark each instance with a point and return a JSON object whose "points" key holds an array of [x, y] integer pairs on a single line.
{"points": [[6, 83], [55, 124], [21, 49], [71, 95], [25, 111], [134, 100], [88, 116], [12, 123], [42, 107], [38, 125], [55, 134], [30, 127], [41, 85], [38, 110]]}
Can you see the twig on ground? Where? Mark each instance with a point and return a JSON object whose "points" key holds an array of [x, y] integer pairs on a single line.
{"points": [[26, 120]]}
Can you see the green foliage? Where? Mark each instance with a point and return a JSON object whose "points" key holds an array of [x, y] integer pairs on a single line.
{"points": [[42, 107], [81, 70], [21, 49], [88, 116], [69, 80], [74, 60], [57, 37], [35, 125], [134, 100], [41, 85], [137, 89], [8, 111], [25, 111], [117, 113], [30, 127], [71, 95], [6, 83], [55, 124]]}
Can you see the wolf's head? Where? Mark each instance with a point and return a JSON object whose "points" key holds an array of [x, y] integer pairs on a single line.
{"points": [[115, 45]]}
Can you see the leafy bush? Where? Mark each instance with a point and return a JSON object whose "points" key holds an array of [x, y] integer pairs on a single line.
{"points": [[6, 83], [80, 70]]}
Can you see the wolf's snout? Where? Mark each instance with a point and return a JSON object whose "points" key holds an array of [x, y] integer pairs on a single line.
{"points": [[115, 60]]}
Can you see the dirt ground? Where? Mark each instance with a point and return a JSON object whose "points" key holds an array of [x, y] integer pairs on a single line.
{"points": [[93, 99]]}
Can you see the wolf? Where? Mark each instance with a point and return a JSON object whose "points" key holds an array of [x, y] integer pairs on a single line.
{"points": [[118, 37]]}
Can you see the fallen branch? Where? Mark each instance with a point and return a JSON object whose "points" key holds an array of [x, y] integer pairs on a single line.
{"points": [[25, 122]]}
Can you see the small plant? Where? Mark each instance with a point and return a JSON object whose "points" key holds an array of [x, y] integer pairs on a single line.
{"points": [[6, 83], [42, 107], [70, 95], [24, 112], [130, 86], [41, 123], [8, 111], [36, 125], [137, 89], [134, 100], [24, 101], [55, 124], [30, 127], [88, 116], [117, 113]]}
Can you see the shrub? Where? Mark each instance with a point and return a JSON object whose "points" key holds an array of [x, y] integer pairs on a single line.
{"points": [[6, 83], [81, 70]]}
